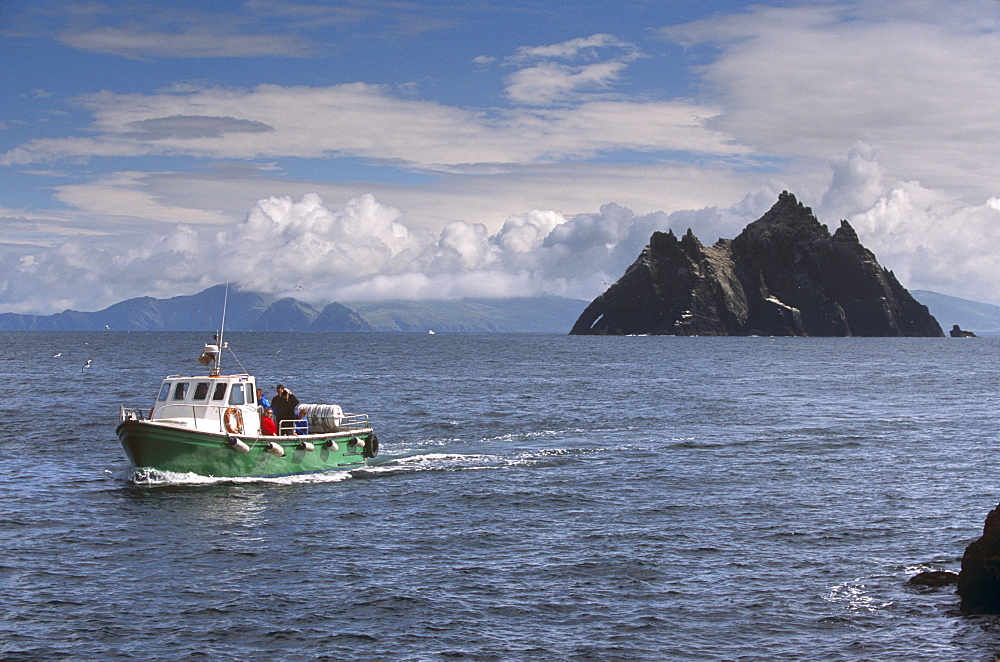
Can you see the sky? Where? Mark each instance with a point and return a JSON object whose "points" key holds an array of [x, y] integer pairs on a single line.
{"points": [[410, 149]]}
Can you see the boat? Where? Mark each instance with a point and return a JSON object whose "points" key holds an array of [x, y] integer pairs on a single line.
{"points": [[210, 425]]}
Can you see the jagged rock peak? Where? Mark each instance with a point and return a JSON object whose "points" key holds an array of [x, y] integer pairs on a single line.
{"points": [[664, 243], [787, 215], [846, 233], [690, 242]]}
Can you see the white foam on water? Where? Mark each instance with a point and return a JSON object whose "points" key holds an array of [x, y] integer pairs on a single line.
{"points": [[146, 477], [855, 597]]}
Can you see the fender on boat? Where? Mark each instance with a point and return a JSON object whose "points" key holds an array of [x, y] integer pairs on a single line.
{"points": [[239, 445], [371, 448]]}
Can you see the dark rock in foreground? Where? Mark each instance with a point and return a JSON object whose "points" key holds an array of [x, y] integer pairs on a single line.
{"points": [[979, 579], [957, 332], [784, 275], [934, 578]]}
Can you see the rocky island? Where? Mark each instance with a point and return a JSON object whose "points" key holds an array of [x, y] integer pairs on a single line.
{"points": [[784, 275]]}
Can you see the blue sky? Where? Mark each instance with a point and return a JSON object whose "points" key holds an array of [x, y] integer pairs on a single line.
{"points": [[352, 151]]}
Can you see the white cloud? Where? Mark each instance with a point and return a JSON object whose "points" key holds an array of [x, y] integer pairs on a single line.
{"points": [[548, 82], [189, 44], [856, 185], [933, 242], [364, 249], [897, 102], [368, 121], [553, 73], [122, 198], [917, 79]]}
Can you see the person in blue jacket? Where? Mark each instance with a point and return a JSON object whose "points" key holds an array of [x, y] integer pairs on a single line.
{"points": [[302, 423]]}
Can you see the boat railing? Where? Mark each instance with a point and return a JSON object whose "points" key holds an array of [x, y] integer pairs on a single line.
{"points": [[354, 422], [131, 414], [348, 423]]}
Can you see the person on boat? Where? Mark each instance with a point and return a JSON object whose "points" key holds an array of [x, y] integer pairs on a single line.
{"points": [[302, 423], [262, 402], [284, 404], [267, 424]]}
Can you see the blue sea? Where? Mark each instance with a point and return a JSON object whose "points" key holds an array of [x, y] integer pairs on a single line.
{"points": [[537, 497]]}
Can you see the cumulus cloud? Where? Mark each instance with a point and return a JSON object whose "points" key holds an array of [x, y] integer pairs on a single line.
{"points": [[360, 250], [856, 185], [366, 250], [934, 242]]}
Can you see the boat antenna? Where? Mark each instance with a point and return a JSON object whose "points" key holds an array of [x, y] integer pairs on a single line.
{"points": [[222, 330]]}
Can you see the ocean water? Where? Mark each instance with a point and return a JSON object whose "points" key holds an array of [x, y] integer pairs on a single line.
{"points": [[537, 497]]}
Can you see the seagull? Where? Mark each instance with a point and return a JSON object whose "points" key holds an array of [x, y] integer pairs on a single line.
{"points": [[85, 365], [56, 356], [298, 287]]}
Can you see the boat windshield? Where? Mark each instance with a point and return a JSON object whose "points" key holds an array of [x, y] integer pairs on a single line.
{"points": [[200, 391], [236, 395], [180, 390]]}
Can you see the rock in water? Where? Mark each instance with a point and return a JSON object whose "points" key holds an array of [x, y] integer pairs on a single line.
{"points": [[784, 275], [979, 578], [934, 578], [958, 332]]}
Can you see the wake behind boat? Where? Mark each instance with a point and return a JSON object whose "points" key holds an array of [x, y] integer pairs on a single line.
{"points": [[210, 425]]}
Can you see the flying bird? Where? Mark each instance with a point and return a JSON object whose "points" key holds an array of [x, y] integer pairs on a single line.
{"points": [[85, 365], [56, 356]]}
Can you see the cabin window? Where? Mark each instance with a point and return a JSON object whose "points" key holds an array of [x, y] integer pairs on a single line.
{"points": [[236, 395], [200, 391], [180, 390], [164, 392], [220, 391]]}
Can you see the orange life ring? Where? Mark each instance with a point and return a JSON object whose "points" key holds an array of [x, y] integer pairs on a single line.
{"points": [[233, 420]]}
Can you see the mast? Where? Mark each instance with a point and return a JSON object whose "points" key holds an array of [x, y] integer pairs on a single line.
{"points": [[222, 345], [211, 356]]}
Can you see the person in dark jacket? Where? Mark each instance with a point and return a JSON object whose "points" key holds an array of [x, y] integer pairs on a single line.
{"points": [[284, 404]]}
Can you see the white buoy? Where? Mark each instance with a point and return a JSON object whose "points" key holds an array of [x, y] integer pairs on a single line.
{"points": [[274, 449], [239, 445], [332, 445], [306, 446]]}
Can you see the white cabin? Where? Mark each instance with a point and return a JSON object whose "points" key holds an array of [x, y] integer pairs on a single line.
{"points": [[213, 403]]}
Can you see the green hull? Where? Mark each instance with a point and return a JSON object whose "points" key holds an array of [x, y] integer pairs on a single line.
{"points": [[168, 448]]}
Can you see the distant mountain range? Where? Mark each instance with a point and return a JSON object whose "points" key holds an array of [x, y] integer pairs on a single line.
{"points": [[247, 311], [981, 318]]}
